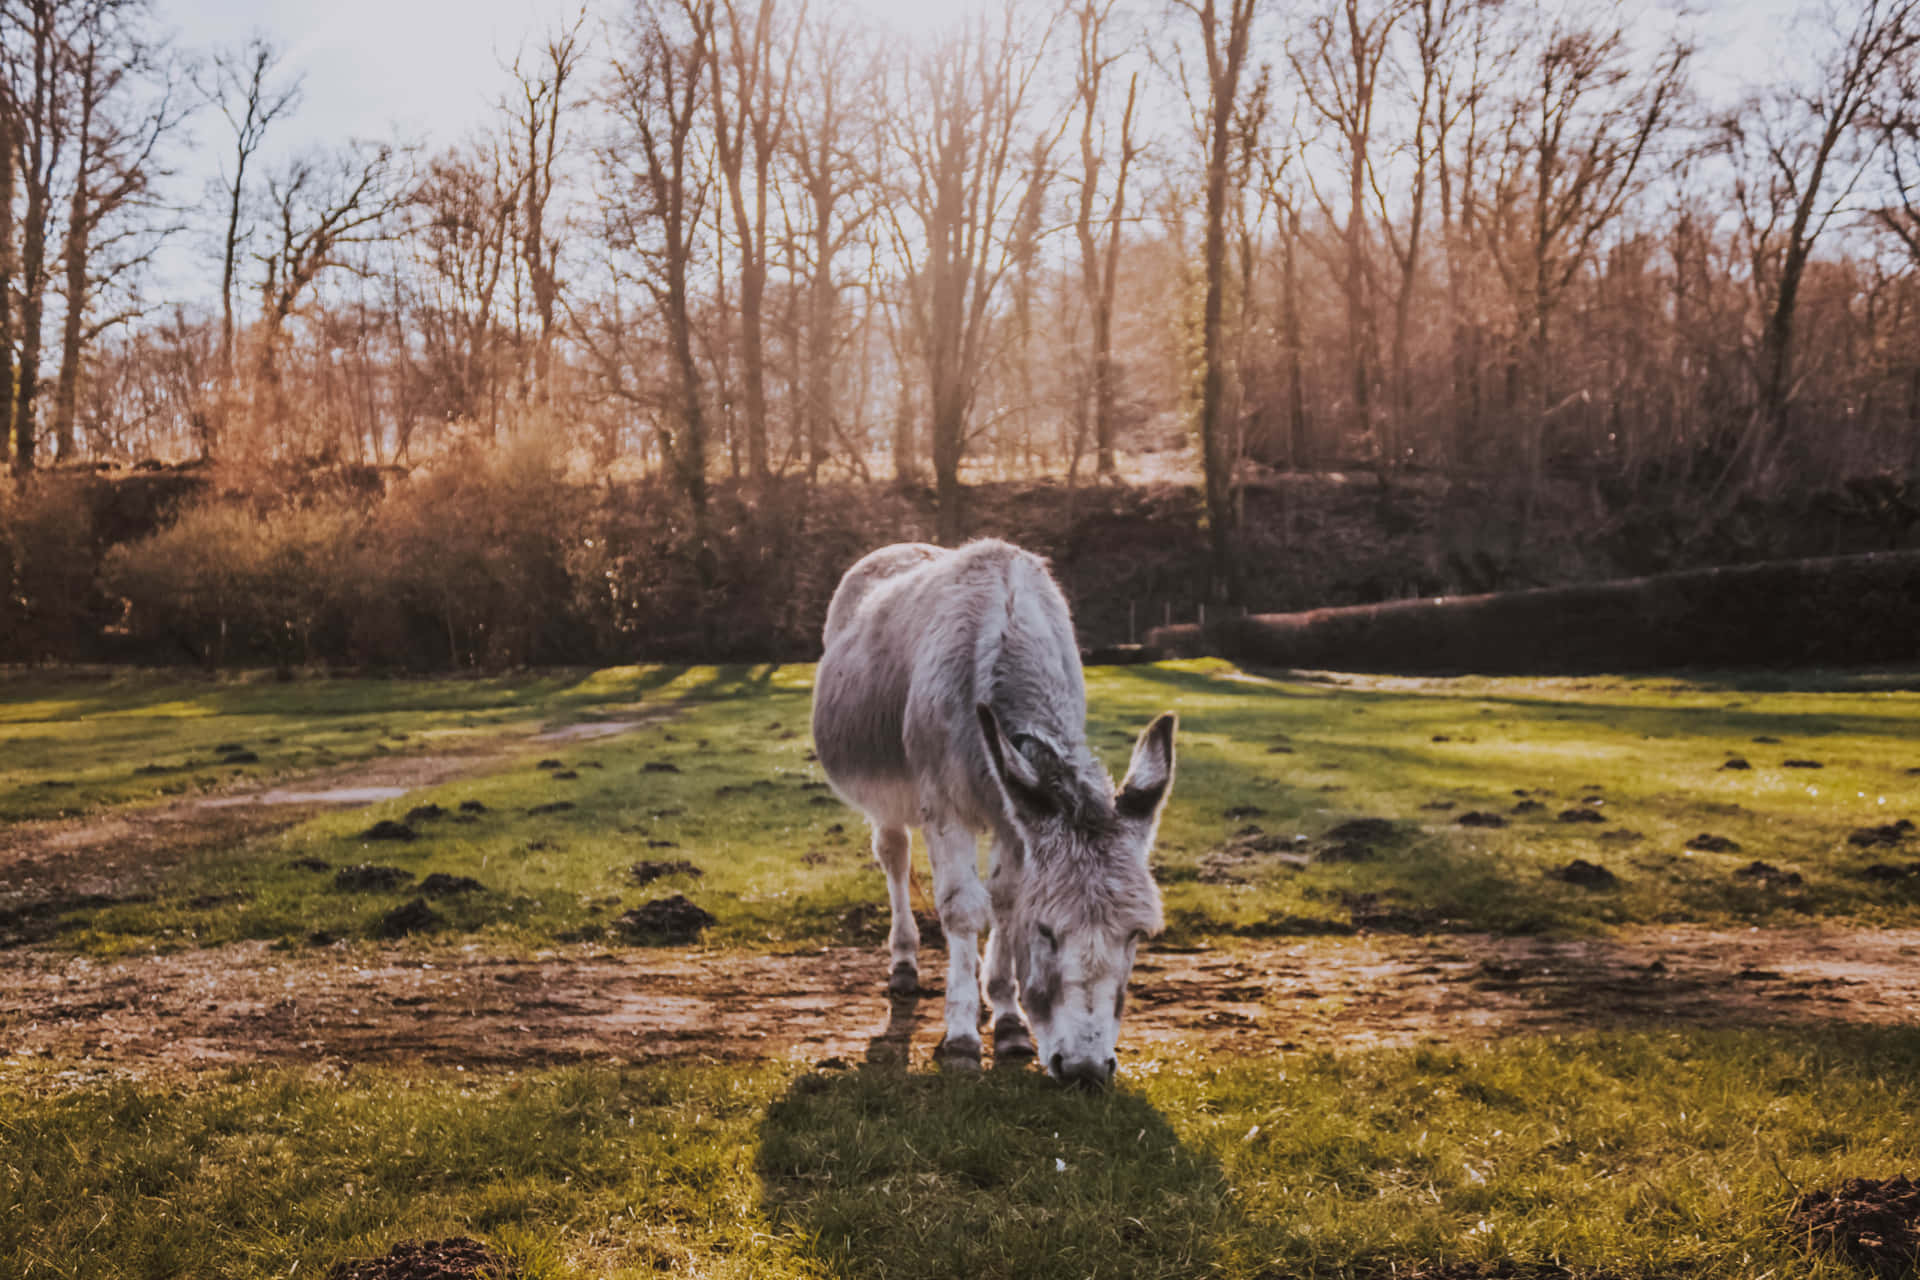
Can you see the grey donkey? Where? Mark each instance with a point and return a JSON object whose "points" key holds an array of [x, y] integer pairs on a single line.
{"points": [[950, 697]]}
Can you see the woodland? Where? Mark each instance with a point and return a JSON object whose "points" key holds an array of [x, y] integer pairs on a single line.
{"points": [[1217, 302]]}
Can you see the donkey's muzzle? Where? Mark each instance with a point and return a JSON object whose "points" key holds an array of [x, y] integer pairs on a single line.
{"points": [[1082, 1073]]}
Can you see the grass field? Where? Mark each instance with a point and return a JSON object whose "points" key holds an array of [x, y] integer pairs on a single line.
{"points": [[726, 783], [1657, 1153]]}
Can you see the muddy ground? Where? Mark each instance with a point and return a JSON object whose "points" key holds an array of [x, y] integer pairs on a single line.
{"points": [[460, 1006], [249, 1003]]}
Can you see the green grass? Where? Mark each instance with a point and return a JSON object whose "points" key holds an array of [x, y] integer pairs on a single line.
{"points": [[1646, 1155], [1638, 1156], [785, 865]]}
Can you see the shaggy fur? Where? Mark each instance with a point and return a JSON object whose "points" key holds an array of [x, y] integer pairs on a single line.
{"points": [[950, 698]]}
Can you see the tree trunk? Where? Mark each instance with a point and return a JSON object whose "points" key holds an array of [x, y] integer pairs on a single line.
{"points": [[33, 256], [820, 321], [7, 141], [1299, 449], [1216, 462], [79, 230]]}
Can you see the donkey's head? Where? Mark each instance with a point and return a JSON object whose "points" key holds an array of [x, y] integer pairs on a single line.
{"points": [[1087, 895]]}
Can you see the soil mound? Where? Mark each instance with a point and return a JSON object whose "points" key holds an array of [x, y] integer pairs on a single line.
{"points": [[370, 877], [413, 917], [458, 1258], [1873, 1221], [1588, 875], [1888, 836], [675, 919]]}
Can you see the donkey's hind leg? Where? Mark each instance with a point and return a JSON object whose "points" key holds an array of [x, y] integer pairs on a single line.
{"points": [[893, 850], [1011, 1041]]}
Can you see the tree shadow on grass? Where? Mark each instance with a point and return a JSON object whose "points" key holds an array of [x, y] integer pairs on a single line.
{"points": [[883, 1171]]}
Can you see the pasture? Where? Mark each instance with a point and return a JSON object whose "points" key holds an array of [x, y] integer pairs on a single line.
{"points": [[1462, 978]]}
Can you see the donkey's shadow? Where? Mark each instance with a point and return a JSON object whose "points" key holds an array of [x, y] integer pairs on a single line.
{"points": [[882, 1170]]}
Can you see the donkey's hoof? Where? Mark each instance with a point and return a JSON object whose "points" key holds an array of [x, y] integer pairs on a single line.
{"points": [[904, 981], [1011, 1043], [957, 1055]]}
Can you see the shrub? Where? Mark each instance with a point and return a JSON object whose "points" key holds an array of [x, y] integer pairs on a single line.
{"points": [[224, 582], [468, 565], [49, 607]]}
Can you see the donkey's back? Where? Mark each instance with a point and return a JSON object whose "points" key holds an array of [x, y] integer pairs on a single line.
{"points": [[917, 638]]}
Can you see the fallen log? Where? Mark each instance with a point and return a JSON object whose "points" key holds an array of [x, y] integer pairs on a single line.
{"points": [[1833, 611]]}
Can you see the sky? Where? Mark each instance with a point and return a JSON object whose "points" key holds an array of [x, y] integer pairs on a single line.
{"points": [[427, 68], [428, 71], [423, 69]]}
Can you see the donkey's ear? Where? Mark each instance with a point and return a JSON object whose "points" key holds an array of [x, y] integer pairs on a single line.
{"points": [[1015, 772], [1150, 775]]}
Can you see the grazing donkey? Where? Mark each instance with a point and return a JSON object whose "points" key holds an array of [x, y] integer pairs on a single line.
{"points": [[950, 698]]}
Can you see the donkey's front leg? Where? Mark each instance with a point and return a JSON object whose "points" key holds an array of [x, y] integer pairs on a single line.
{"points": [[964, 911]]}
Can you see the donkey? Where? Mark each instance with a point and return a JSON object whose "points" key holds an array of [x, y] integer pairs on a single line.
{"points": [[950, 697]]}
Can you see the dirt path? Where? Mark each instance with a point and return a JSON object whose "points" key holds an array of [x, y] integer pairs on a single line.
{"points": [[248, 1003], [120, 851]]}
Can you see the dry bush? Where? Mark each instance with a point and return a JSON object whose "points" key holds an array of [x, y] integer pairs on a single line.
{"points": [[49, 607], [473, 564], [224, 582]]}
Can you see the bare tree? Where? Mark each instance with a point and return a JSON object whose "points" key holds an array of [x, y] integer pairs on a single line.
{"points": [[35, 41], [1800, 152], [1576, 139], [467, 237], [124, 105], [960, 121], [832, 125], [323, 207], [1339, 67], [539, 141], [21, 451], [1224, 39], [1470, 55], [655, 200], [242, 87], [1100, 238], [1429, 26], [752, 71]]}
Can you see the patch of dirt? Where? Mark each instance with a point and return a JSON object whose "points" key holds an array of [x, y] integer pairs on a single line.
{"points": [[1875, 1222], [1480, 818], [457, 1258], [122, 852], [413, 916], [249, 1002]]}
